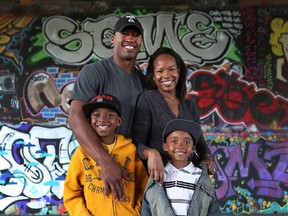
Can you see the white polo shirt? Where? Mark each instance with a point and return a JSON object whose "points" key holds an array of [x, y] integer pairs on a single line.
{"points": [[180, 185]]}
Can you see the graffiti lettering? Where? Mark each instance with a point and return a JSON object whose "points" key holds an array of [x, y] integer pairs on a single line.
{"points": [[27, 162], [263, 106], [250, 44], [279, 70], [200, 41], [278, 149], [66, 42], [235, 100], [269, 74], [38, 78], [230, 20], [43, 92], [71, 44], [252, 169]]}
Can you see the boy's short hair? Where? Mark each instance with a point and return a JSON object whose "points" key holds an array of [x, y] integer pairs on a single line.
{"points": [[188, 126], [102, 101]]}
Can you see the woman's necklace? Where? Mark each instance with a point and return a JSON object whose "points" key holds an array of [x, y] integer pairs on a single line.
{"points": [[172, 104]]}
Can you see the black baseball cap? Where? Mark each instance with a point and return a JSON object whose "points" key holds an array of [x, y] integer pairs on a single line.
{"points": [[188, 126], [127, 20], [102, 101]]}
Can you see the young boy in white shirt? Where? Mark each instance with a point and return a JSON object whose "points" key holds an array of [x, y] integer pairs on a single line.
{"points": [[187, 189]]}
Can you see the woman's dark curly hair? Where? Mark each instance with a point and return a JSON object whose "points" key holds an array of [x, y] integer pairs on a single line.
{"points": [[181, 85]]}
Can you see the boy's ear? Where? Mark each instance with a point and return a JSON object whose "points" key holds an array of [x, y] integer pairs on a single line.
{"points": [[193, 148], [120, 120], [164, 146]]}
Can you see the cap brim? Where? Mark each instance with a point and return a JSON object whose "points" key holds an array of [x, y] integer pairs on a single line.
{"points": [[184, 125], [129, 24], [88, 108]]}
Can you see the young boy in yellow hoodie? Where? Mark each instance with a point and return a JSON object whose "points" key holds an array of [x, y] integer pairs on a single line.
{"points": [[84, 187]]}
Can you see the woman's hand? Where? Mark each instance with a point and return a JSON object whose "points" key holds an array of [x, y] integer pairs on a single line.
{"points": [[211, 164], [155, 165]]}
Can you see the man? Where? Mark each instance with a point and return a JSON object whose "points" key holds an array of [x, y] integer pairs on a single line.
{"points": [[117, 76]]}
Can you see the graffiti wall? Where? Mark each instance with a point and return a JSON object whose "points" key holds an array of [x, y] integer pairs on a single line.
{"points": [[238, 76]]}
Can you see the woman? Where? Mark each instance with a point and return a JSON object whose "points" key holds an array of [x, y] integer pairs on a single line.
{"points": [[166, 72]]}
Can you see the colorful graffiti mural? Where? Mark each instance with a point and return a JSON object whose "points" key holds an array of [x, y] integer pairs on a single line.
{"points": [[238, 77]]}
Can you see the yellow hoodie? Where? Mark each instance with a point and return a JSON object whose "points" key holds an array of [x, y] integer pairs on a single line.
{"points": [[84, 188]]}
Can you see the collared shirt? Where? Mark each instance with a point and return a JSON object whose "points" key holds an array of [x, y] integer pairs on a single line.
{"points": [[180, 185]]}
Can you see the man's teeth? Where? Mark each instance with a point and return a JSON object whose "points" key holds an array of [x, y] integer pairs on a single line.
{"points": [[129, 47]]}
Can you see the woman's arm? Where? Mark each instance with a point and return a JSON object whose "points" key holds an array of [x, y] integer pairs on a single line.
{"points": [[141, 134]]}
